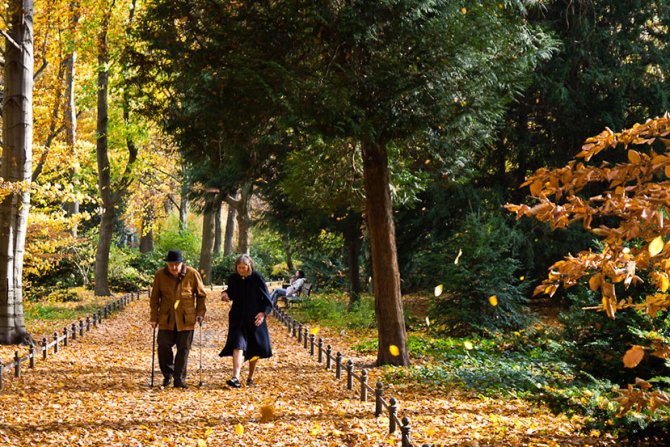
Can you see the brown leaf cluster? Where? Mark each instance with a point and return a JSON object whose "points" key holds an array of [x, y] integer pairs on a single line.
{"points": [[95, 392]]}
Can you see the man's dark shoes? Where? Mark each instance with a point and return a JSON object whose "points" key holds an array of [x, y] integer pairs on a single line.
{"points": [[180, 384], [234, 382], [166, 381], [250, 382]]}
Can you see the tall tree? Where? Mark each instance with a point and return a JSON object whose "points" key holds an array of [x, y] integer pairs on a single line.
{"points": [[110, 196], [405, 72], [611, 70], [16, 167]]}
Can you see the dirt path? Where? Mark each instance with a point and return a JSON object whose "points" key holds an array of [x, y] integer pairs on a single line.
{"points": [[95, 393]]}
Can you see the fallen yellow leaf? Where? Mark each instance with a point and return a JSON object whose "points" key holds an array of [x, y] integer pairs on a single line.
{"points": [[314, 330], [239, 429], [176, 303]]}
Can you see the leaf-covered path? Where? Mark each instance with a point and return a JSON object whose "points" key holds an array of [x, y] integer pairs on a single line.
{"points": [[95, 392]]}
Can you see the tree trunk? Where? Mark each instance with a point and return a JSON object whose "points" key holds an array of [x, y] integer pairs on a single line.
{"points": [[385, 272], [183, 206], [352, 240], [109, 198], [217, 229], [229, 236], [17, 116], [207, 247], [244, 218], [147, 236], [104, 174], [289, 253], [71, 115]]}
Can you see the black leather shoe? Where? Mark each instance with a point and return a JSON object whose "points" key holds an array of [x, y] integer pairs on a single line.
{"points": [[234, 382], [250, 382], [180, 385], [166, 381]]}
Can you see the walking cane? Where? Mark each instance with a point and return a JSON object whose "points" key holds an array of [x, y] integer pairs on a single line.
{"points": [[200, 384], [153, 356]]}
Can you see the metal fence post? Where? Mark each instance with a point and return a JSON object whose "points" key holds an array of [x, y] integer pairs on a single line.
{"points": [[304, 337], [55, 342], [405, 432], [31, 356], [311, 344], [299, 332], [320, 348], [74, 331], [338, 365], [65, 336], [17, 364], [45, 354], [393, 411], [88, 324], [350, 375], [81, 327], [379, 395]]}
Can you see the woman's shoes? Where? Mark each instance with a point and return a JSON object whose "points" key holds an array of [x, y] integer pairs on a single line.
{"points": [[234, 382], [250, 382]]}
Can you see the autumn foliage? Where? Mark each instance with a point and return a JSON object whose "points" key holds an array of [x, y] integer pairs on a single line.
{"points": [[625, 203]]}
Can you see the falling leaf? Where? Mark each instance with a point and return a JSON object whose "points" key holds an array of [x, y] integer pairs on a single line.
{"points": [[438, 289], [314, 330], [176, 303], [493, 300], [315, 430], [202, 443], [656, 246], [521, 278], [209, 431], [427, 162], [239, 429], [464, 10], [633, 356], [427, 321], [393, 349], [254, 358], [458, 256], [467, 345]]}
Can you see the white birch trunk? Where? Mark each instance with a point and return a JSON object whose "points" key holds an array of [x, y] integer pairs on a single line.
{"points": [[16, 167]]}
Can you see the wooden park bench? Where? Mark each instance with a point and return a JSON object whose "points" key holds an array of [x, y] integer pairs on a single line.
{"points": [[300, 296]]}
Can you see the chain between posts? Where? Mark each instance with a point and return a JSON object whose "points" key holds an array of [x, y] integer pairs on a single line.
{"points": [[68, 334], [300, 332]]}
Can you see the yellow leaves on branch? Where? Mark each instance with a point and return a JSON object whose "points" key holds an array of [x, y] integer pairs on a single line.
{"points": [[627, 200]]}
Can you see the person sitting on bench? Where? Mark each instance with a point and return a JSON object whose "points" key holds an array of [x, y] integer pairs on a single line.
{"points": [[294, 287]]}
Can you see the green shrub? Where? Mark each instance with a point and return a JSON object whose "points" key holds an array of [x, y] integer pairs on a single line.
{"points": [[123, 277], [486, 248], [332, 310]]}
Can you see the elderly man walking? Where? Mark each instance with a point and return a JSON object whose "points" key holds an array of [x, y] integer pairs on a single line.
{"points": [[177, 303]]}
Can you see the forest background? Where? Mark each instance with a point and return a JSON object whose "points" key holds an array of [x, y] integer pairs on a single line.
{"points": [[231, 127]]}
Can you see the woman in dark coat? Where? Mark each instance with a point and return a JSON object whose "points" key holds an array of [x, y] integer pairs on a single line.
{"points": [[248, 336]]}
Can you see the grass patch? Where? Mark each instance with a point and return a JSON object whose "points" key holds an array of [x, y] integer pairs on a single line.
{"points": [[332, 309]]}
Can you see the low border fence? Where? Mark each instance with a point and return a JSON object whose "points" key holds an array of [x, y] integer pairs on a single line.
{"points": [[309, 342], [70, 333]]}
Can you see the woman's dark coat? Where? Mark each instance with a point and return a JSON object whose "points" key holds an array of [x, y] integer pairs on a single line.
{"points": [[249, 296]]}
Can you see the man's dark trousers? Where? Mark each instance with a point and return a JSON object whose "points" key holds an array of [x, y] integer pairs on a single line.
{"points": [[171, 365]]}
